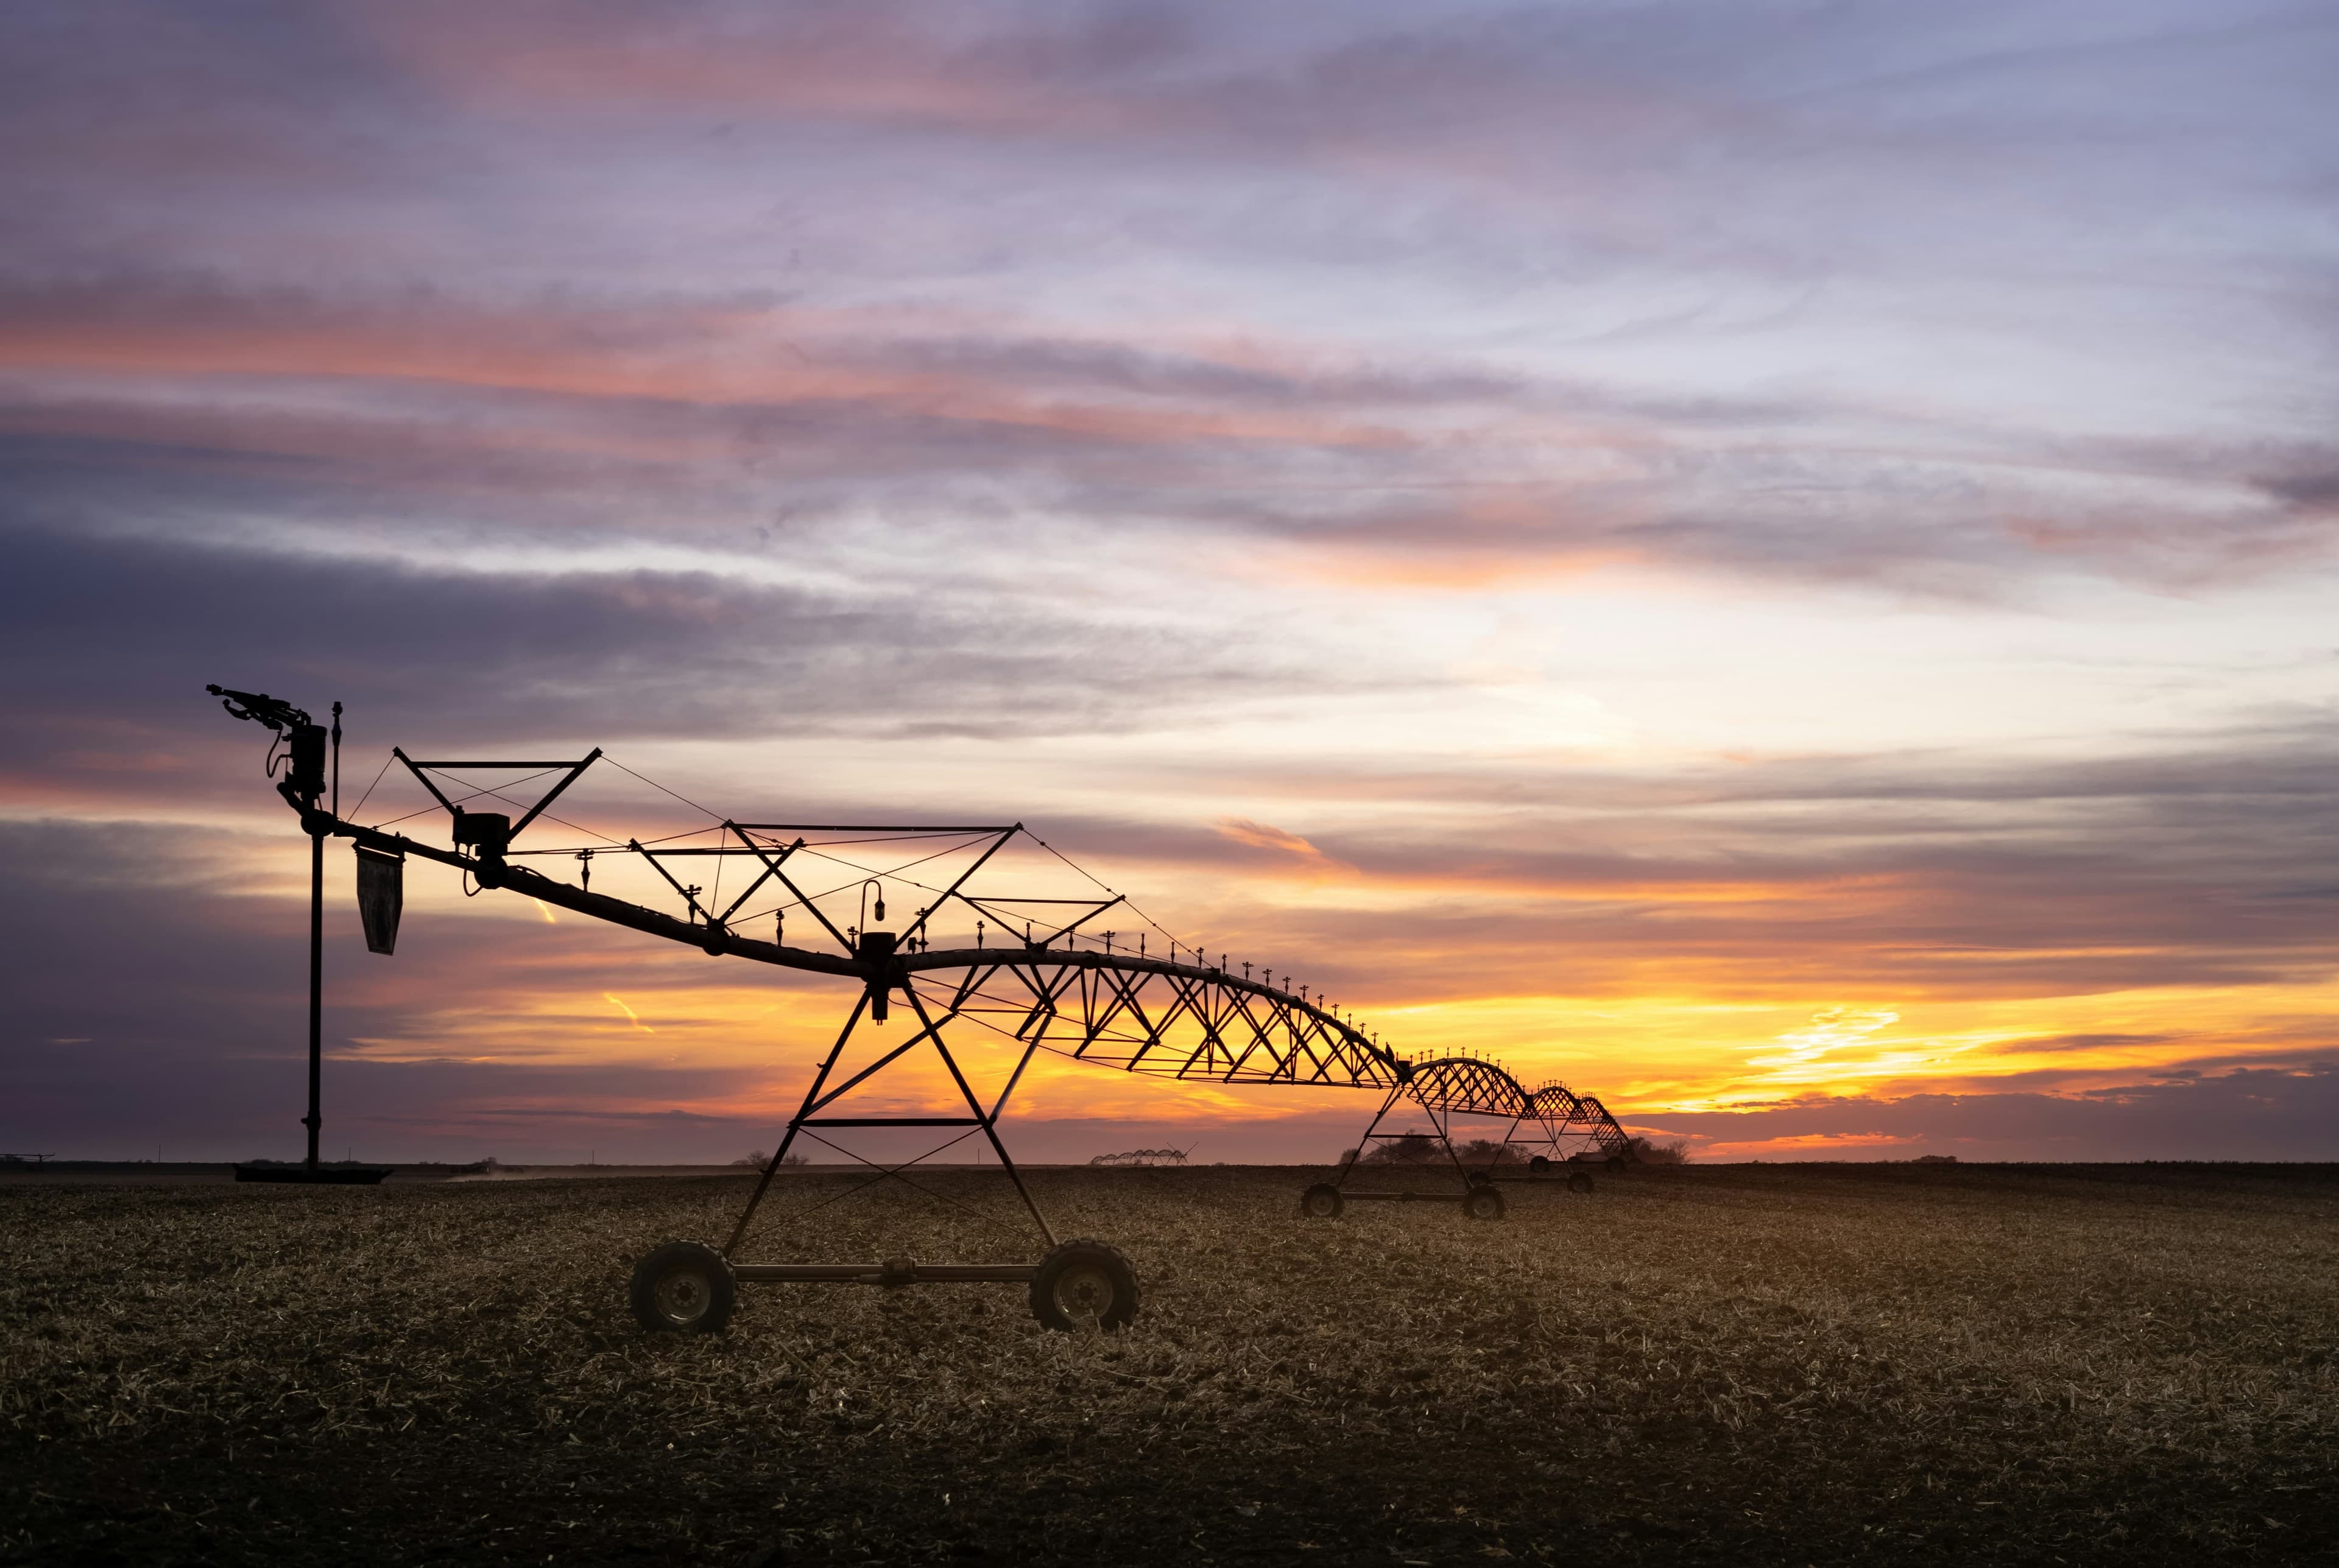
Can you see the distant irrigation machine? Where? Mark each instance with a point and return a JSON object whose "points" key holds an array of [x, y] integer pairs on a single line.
{"points": [[1041, 974]]}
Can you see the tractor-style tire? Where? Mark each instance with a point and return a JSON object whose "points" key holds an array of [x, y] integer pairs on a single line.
{"points": [[1483, 1203], [684, 1288], [1321, 1201], [1579, 1181], [1539, 1164], [1082, 1283]]}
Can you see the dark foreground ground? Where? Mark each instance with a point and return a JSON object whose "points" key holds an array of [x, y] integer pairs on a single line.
{"points": [[1728, 1365]]}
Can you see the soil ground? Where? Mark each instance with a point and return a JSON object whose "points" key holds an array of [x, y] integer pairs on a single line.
{"points": [[1724, 1365]]}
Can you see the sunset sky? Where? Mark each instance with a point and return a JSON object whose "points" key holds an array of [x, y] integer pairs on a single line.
{"points": [[1779, 562]]}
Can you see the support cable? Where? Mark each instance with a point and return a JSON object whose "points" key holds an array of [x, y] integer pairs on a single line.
{"points": [[717, 816], [515, 784], [1139, 914], [370, 788], [476, 793], [895, 1174]]}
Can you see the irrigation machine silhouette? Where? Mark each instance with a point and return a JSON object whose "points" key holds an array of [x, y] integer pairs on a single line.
{"points": [[1041, 974]]}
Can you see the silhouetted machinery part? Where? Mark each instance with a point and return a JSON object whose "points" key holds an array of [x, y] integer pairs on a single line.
{"points": [[1189, 1019], [1568, 1131], [689, 1288], [300, 747]]}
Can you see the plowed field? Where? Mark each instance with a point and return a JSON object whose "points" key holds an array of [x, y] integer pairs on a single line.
{"points": [[1726, 1365]]}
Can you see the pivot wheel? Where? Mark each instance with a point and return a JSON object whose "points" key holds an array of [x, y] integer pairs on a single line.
{"points": [[1321, 1201], [1483, 1203], [1539, 1164], [684, 1288], [1579, 1181], [1082, 1284]]}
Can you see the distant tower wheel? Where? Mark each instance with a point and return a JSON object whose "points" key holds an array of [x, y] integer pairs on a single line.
{"points": [[1084, 1284], [1540, 1164], [1483, 1203], [1321, 1201], [684, 1288]]}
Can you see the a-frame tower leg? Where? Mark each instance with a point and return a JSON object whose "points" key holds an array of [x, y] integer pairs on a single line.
{"points": [[685, 1286]]}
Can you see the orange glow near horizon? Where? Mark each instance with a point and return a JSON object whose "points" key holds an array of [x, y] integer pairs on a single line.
{"points": [[1689, 1044]]}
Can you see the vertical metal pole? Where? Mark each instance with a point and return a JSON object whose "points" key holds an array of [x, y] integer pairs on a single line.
{"points": [[315, 1118]]}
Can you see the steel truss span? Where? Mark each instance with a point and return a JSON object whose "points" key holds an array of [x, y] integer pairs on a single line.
{"points": [[1178, 1017]]}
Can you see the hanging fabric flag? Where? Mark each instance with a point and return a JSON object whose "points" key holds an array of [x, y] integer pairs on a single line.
{"points": [[381, 893]]}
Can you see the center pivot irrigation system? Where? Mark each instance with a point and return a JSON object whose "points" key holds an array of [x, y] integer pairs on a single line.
{"points": [[1042, 973]]}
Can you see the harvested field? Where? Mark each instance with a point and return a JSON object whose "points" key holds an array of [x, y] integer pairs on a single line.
{"points": [[1717, 1364]]}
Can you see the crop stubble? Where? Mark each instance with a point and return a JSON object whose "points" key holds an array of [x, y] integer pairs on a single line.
{"points": [[1729, 1363]]}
